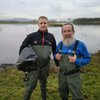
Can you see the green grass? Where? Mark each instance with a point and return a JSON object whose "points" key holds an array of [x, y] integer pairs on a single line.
{"points": [[12, 85]]}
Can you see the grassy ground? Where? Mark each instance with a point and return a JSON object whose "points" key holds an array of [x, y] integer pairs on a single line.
{"points": [[12, 85]]}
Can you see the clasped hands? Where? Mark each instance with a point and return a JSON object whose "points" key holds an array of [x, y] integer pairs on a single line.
{"points": [[70, 58]]}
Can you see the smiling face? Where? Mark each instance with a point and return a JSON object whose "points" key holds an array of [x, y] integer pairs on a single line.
{"points": [[68, 34], [43, 24], [67, 31]]}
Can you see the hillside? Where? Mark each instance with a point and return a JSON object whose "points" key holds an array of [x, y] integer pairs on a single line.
{"points": [[87, 21]]}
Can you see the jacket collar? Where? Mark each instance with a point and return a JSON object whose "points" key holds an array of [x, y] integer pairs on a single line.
{"points": [[41, 32]]}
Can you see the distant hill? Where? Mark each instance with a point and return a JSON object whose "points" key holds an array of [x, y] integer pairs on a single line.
{"points": [[55, 22], [16, 20], [87, 21]]}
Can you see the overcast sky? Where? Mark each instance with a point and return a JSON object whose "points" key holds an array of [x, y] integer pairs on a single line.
{"points": [[53, 9]]}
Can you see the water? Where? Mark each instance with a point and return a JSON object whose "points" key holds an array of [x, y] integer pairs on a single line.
{"points": [[11, 37]]}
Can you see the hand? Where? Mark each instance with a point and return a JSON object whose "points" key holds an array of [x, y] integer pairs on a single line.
{"points": [[58, 56], [72, 58]]}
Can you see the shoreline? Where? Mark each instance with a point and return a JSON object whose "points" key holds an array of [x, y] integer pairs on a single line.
{"points": [[4, 65]]}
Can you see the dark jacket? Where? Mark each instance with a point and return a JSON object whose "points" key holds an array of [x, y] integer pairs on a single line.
{"points": [[40, 38]]}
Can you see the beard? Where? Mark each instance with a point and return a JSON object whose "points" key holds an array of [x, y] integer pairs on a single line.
{"points": [[67, 41]]}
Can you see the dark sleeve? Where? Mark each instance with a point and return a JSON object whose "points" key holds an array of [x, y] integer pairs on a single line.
{"points": [[25, 43], [54, 51]]}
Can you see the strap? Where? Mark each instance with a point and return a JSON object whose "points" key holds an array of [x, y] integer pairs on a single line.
{"points": [[74, 49], [60, 50], [75, 46], [61, 45]]}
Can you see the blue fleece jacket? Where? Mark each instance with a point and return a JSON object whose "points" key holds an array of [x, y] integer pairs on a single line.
{"points": [[83, 56]]}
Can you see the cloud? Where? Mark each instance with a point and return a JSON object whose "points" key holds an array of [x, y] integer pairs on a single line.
{"points": [[88, 3], [50, 8]]}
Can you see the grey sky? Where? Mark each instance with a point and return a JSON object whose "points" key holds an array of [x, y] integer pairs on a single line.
{"points": [[50, 8]]}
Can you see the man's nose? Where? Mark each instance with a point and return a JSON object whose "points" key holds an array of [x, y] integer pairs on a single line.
{"points": [[43, 24]]}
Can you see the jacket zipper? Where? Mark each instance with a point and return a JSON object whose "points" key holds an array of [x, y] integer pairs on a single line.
{"points": [[43, 39]]}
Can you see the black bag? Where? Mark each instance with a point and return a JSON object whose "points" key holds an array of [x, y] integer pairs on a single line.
{"points": [[27, 59]]}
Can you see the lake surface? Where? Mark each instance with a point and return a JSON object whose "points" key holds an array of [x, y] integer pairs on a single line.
{"points": [[12, 35]]}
